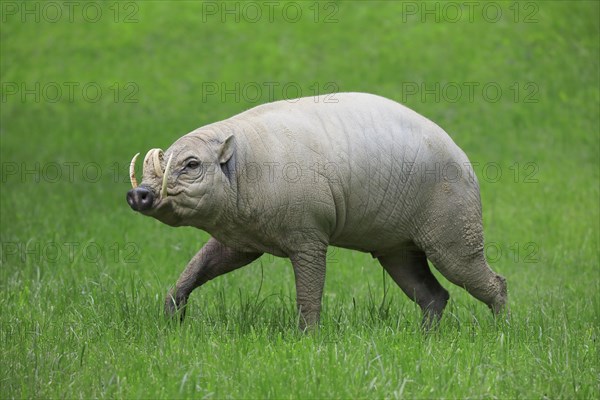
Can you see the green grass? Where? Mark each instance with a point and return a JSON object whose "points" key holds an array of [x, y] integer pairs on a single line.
{"points": [[82, 278]]}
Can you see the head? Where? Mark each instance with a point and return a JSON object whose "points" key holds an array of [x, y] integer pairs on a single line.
{"points": [[187, 184]]}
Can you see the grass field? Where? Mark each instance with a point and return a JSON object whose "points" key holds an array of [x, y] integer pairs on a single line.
{"points": [[83, 278]]}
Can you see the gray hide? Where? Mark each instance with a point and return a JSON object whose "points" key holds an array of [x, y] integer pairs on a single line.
{"points": [[292, 177]]}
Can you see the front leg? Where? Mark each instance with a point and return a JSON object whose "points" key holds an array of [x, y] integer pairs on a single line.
{"points": [[309, 270], [213, 259]]}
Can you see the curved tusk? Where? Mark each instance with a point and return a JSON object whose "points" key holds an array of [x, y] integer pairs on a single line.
{"points": [[157, 155], [148, 155], [163, 193], [134, 182]]}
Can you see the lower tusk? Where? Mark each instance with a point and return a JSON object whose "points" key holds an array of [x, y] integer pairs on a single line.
{"points": [[134, 182], [163, 193]]}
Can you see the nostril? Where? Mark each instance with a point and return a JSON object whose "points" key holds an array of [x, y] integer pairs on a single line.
{"points": [[140, 199], [130, 200]]}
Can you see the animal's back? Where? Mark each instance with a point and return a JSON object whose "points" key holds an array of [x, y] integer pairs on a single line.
{"points": [[367, 163]]}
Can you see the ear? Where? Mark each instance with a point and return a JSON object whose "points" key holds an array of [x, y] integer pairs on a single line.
{"points": [[226, 150]]}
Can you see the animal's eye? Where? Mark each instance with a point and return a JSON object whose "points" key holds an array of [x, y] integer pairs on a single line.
{"points": [[192, 164]]}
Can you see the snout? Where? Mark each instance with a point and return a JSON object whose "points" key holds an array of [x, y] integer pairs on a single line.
{"points": [[140, 199]]}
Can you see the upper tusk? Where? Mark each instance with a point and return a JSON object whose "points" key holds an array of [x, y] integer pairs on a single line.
{"points": [[134, 182], [157, 155], [163, 193], [154, 156], [148, 155]]}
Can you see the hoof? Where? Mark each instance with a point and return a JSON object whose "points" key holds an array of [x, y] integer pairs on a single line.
{"points": [[175, 307]]}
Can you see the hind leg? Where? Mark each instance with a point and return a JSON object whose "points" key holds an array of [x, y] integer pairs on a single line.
{"points": [[473, 274], [455, 248], [409, 269]]}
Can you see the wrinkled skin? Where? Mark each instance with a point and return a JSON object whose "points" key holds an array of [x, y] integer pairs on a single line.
{"points": [[291, 178]]}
